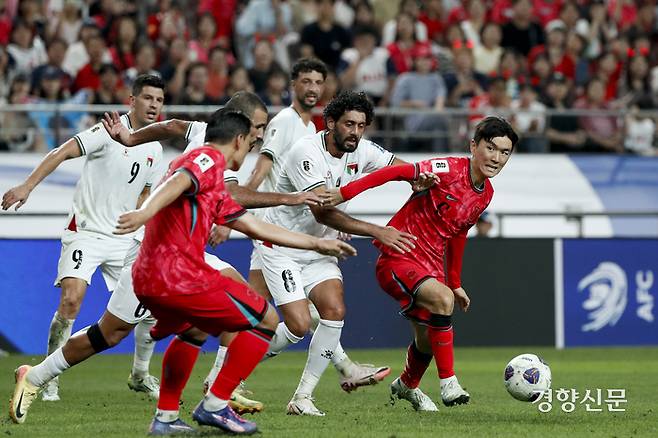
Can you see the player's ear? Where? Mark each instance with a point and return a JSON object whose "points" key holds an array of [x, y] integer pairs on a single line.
{"points": [[330, 124], [131, 102], [472, 146]]}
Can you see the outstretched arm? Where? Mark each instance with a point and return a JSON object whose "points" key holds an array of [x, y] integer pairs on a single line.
{"points": [[249, 198], [165, 130], [261, 230], [19, 194], [165, 194]]}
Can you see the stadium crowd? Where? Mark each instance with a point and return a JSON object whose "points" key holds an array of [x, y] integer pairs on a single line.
{"points": [[548, 65]]}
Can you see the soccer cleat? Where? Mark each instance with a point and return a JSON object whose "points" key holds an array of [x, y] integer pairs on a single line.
{"points": [[24, 394], [225, 419], [303, 405], [178, 427], [148, 384], [51, 391], [419, 401], [453, 394], [363, 375], [243, 405]]}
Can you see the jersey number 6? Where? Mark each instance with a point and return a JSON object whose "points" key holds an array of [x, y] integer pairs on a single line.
{"points": [[134, 171]]}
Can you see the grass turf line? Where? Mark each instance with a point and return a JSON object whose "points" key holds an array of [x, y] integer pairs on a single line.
{"points": [[97, 402]]}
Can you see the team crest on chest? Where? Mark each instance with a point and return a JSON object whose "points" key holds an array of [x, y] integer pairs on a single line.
{"points": [[352, 168]]}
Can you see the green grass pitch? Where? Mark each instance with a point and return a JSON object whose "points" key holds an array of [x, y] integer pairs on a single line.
{"points": [[96, 401]]}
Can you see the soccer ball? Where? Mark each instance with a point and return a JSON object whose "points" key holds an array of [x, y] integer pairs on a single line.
{"points": [[527, 376]]}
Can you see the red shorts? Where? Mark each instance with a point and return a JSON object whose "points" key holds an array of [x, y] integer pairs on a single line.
{"points": [[227, 305], [401, 278]]}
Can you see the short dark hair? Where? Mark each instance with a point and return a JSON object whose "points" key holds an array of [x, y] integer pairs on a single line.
{"points": [[226, 124], [147, 81], [307, 65], [492, 127], [246, 102], [349, 101]]}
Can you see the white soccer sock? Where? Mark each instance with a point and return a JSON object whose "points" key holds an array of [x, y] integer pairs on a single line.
{"points": [[217, 366], [51, 367], [324, 342], [166, 416], [340, 360], [212, 403], [282, 338], [144, 346]]}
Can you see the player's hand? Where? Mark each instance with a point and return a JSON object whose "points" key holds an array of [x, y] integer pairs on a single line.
{"points": [[462, 298], [425, 181], [130, 221], [307, 198], [335, 248], [115, 128], [398, 240], [345, 237], [18, 195], [218, 234], [332, 197]]}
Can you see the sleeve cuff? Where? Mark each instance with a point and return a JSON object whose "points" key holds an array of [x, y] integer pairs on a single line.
{"points": [[194, 179]]}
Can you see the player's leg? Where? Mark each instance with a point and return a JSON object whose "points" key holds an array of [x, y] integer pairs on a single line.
{"points": [[439, 300], [107, 333], [256, 278]]}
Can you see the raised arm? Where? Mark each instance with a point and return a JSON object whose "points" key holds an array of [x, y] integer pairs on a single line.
{"points": [[261, 230], [165, 130], [19, 194], [165, 194]]}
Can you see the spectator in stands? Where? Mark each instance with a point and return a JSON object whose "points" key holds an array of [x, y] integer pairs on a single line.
{"points": [[434, 18], [390, 32], [600, 30], [331, 89], [575, 51], [522, 33], [111, 91], [145, 60], [540, 73], [263, 19], [623, 13], [423, 89], [608, 71], [472, 25], [77, 54], [196, 84], [495, 100], [529, 119], [563, 131], [218, 72], [546, 10], [167, 23], [18, 132], [604, 133], [512, 68], [238, 81], [402, 49], [206, 31], [366, 67], [465, 83], [224, 12], [487, 54], [66, 24], [637, 84], [276, 92], [5, 25], [26, 48], [364, 15], [56, 52], [173, 69], [124, 50], [640, 129], [88, 76], [324, 38], [6, 74], [264, 65]]}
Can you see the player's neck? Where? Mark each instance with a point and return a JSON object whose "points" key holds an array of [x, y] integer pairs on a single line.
{"points": [[304, 114], [226, 150], [477, 177], [330, 144], [134, 121]]}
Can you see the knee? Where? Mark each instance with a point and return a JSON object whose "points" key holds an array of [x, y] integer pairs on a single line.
{"points": [[299, 324], [334, 311], [69, 305], [440, 302], [270, 320], [194, 336]]}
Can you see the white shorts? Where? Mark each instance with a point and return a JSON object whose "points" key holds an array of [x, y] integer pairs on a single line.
{"points": [[256, 263], [83, 252], [291, 279], [124, 304]]}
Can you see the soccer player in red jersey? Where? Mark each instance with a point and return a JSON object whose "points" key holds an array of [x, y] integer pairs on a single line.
{"points": [[426, 281], [185, 294]]}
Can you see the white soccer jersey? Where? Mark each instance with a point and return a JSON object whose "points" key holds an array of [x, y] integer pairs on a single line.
{"points": [[308, 166], [112, 179], [196, 137], [282, 133]]}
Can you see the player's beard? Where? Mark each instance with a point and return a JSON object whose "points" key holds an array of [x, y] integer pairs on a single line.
{"points": [[340, 142], [306, 106]]}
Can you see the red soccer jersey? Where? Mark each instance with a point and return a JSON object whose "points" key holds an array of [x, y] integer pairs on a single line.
{"points": [[438, 216], [170, 260]]}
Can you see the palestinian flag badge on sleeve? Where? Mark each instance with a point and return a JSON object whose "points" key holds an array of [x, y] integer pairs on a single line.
{"points": [[352, 168], [149, 161]]}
